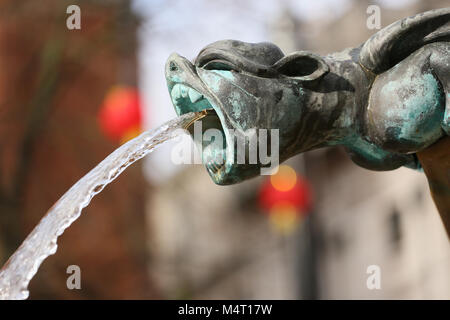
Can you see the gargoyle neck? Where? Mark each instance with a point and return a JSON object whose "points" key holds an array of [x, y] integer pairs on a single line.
{"points": [[337, 103]]}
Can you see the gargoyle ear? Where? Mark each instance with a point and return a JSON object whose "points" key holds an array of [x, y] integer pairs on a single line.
{"points": [[302, 65]]}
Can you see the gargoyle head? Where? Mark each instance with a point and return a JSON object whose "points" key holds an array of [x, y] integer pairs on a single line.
{"points": [[246, 87]]}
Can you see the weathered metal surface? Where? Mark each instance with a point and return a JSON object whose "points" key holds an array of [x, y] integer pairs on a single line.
{"points": [[436, 164], [384, 101]]}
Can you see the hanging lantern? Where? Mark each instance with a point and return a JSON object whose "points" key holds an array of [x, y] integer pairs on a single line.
{"points": [[286, 198], [120, 115]]}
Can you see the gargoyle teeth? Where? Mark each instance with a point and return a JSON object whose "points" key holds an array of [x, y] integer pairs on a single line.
{"points": [[194, 95], [176, 92], [184, 91], [181, 91]]}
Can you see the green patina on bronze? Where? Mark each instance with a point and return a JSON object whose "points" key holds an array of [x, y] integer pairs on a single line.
{"points": [[384, 101]]}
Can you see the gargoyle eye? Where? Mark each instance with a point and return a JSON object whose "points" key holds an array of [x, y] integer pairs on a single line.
{"points": [[219, 65]]}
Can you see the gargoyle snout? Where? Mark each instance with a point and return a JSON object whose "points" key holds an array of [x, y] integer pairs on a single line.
{"points": [[178, 69], [187, 91]]}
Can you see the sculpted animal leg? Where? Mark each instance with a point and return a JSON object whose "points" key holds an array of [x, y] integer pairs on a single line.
{"points": [[435, 161], [407, 103]]}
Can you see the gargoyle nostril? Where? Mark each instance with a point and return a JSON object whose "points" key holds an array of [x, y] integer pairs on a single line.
{"points": [[173, 66]]}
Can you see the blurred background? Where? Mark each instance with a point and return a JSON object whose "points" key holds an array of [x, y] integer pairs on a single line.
{"points": [[162, 231]]}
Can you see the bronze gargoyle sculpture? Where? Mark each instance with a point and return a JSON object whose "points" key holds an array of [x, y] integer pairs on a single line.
{"points": [[387, 101]]}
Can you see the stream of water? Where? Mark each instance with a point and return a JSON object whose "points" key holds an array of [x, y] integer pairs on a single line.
{"points": [[42, 241]]}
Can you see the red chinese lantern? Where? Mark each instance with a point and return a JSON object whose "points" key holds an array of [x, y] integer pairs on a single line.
{"points": [[286, 197], [120, 115]]}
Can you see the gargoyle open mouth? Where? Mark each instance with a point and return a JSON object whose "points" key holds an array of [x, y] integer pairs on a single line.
{"points": [[187, 99]]}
